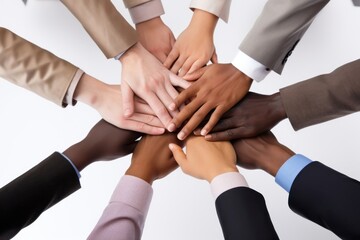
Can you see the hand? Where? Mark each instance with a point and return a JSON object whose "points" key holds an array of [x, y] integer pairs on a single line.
{"points": [[219, 87], [152, 159], [253, 115], [145, 76], [156, 37], [262, 152], [106, 99], [203, 159], [194, 46], [103, 142]]}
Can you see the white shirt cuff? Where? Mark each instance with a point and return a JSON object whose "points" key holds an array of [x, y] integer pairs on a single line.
{"points": [[146, 11], [252, 68], [227, 181]]}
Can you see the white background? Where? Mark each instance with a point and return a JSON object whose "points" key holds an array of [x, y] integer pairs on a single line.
{"points": [[182, 207]]}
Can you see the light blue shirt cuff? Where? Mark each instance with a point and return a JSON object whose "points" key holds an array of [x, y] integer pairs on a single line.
{"points": [[76, 170], [290, 169]]}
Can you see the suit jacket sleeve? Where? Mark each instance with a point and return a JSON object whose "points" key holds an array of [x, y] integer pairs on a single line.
{"points": [[324, 97], [33, 68], [106, 26], [278, 29], [220, 8], [243, 214], [134, 3], [25, 198], [327, 198], [124, 217]]}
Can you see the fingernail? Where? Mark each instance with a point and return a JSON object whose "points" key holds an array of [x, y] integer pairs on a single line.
{"points": [[172, 106], [197, 132], [181, 136], [171, 127], [203, 132], [171, 146], [208, 137]]}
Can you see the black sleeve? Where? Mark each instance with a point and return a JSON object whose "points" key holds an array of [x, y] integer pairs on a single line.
{"points": [[243, 214], [25, 198], [327, 198]]}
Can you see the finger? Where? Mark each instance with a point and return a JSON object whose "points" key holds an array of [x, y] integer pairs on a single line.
{"points": [[171, 90], [223, 125], [147, 119], [214, 57], [178, 81], [196, 66], [215, 116], [191, 76], [178, 64], [159, 109], [143, 108], [171, 58], [166, 98], [197, 132], [184, 114], [128, 99], [178, 154], [184, 96], [162, 57], [194, 121], [227, 135], [186, 67], [143, 127]]}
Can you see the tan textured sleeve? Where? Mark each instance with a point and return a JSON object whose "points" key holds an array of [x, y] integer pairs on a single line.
{"points": [[220, 8], [33, 68], [106, 26], [278, 29], [324, 97], [134, 3]]}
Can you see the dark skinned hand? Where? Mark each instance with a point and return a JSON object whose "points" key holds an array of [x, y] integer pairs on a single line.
{"points": [[262, 152], [152, 158], [218, 88], [253, 115], [103, 142]]}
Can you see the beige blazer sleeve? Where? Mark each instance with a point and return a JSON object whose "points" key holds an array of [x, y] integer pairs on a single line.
{"points": [[106, 26], [134, 3], [278, 29], [220, 8], [28, 66], [324, 97]]}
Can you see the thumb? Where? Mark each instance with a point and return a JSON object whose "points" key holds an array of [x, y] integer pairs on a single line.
{"points": [[178, 154]]}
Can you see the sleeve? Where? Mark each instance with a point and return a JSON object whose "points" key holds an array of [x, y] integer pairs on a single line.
{"points": [[278, 29], [324, 97], [124, 217], [243, 214], [145, 11], [220, 8], [106, 26], [24, 199], [35, 69], [328, 198]]}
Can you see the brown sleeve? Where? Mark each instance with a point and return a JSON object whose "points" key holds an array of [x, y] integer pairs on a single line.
{"points": [[106, 26], [324, 97], [33, 68]]}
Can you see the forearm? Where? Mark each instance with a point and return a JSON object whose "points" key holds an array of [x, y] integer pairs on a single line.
{"points": [[105, 25], [34, 68], [204, 21], [324, 97]]}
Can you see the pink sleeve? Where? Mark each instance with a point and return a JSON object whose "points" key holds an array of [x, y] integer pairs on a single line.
{"points": [[124, 217]]}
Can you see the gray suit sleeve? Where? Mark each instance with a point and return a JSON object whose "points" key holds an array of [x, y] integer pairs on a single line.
{"points": [[324, 97], [278, 29]]}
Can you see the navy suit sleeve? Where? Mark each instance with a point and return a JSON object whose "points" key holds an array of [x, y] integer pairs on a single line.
{"points": [[25, 198], [243, 214], [328, 198]]}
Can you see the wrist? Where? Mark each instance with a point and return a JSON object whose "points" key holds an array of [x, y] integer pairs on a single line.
{"points": [[277, 107], [204, 21], [79, 156], [132, 54], [149, 24], [210, 177], [140, 172], [276, 157]]}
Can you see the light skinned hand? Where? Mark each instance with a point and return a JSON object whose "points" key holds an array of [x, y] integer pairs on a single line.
{"points": [[218, 88], [262, 152], [204, 159], [156, 37], [253, 115], [152, 158], [107, 100], [195, 45], [144, 75]]}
